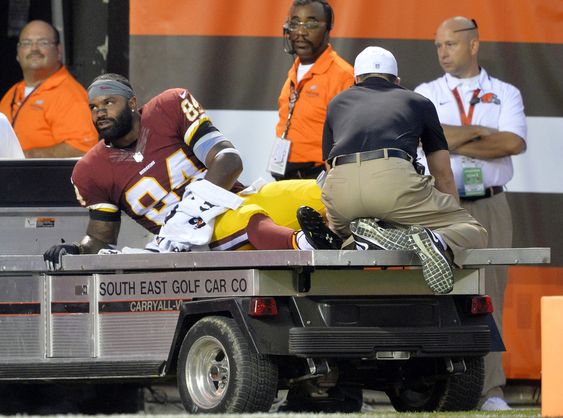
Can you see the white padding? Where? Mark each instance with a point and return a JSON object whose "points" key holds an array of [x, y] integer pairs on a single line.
{"points": [[205, 143], [228, 151]]}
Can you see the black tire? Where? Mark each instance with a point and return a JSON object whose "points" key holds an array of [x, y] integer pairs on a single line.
{"points": [[218, 372], [343, 399], [458, 392]]}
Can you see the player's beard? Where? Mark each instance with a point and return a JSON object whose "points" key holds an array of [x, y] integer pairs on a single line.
{"points": [[120, 127]]}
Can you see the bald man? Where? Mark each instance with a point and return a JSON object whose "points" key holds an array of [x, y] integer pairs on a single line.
{"points": [[48, 109], [484, 123]]}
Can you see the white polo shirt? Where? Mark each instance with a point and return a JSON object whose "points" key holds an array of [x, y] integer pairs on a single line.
{"points": [[500, 107], [9, 145]]}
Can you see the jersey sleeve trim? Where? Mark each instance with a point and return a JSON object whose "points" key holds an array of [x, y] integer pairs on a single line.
{"points": [[104, 207], [188, 136]]}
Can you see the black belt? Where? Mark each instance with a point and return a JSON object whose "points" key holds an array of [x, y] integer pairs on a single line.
{"points": [[371, 155], [489, 192]]}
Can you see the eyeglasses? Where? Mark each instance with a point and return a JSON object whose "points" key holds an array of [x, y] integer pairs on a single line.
{"points": [[41, 43], [473, 28], [293, 25]]}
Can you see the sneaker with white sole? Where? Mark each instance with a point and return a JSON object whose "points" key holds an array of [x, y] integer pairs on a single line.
{"points": [[436, 267], [368, 231], [495, 403]]}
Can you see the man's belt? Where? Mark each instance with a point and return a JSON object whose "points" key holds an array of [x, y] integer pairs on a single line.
{"points": [[371, 155], [489, 192]]}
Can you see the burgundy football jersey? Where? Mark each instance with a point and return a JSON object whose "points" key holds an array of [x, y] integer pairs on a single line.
{"points": [[148, 180]]}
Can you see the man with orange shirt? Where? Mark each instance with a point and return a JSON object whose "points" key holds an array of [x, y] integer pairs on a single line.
{"points": [[317, 75], [48, 109]]}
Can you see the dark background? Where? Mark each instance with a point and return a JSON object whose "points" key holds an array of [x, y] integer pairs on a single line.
{"points": [[86, 25]]}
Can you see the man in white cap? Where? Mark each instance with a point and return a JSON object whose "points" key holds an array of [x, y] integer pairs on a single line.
{"points": [[370, 139]]}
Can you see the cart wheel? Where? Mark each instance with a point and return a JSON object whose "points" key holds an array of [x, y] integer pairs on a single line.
{"points": [[458, 392], [218, 372]]}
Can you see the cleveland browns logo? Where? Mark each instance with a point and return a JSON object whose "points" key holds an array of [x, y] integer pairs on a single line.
{"points": [[489, 98]]}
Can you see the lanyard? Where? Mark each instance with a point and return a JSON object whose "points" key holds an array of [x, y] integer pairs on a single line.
{"points": [[466, 119], [293, 96], [15, 116]]}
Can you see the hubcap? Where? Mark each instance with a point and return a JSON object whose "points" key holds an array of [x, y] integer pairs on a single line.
{"points": [[207, 372]]}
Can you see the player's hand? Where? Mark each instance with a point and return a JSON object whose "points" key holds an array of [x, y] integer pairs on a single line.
{"points": [[53, 256]]}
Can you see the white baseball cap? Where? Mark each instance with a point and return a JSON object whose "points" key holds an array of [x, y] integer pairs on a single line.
{"points": [[374, 59]]}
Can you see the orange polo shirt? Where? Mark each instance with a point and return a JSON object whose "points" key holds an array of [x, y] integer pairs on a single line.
{"points": [[329, 75], [56, 111]]}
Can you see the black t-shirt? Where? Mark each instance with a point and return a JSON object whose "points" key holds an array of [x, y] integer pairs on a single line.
{"points": [[378, 114]]}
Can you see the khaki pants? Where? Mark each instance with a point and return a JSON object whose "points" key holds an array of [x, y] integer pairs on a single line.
{"points": [[494, 214], [390, 189]]}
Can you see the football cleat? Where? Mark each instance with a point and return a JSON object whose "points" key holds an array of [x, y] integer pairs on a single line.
{"points": [[318, 235]]}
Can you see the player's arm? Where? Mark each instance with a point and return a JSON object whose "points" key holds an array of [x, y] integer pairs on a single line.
{"points": [[216, 152], [102, 232], [439, 166], [99, 234], [104, 215], [224, 165]]}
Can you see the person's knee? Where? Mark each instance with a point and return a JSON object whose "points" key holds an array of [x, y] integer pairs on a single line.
{"points": [[483, 235]]}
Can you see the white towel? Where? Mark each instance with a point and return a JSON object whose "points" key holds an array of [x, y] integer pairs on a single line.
{"points": [[193, 219], [213, 194]]}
